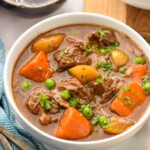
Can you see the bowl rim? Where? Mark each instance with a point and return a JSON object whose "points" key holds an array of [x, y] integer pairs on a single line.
{"points": [[40, 132], [138, 5], [31, 6]]}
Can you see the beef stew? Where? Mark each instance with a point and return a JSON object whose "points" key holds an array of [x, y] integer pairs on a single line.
{"points": [[82, 82]]}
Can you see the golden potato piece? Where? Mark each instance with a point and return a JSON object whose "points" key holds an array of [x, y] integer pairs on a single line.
{"points": [[118, 125], [48, 43], [84, 73], [120, 58]]}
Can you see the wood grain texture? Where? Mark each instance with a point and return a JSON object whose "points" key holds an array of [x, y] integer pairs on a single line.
{"points": [[136, 18], [113, 8], [139, 20]]}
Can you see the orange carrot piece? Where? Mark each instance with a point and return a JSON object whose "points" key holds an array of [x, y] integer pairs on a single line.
{"points": [[73, 125], [128, 100], [37, 68], [138, 71]]}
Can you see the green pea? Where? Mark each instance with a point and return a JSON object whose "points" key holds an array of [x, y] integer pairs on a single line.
{"points": [[50, 84], [103, 51], [87, 111], [139, 60], [25, 85], [146, 87], [122, 70], [74, 102], [66, 94], [103, 121]]}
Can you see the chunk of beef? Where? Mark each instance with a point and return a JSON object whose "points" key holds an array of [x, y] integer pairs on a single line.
{"points": [[96, 88], [45, 118], [106, 90], [99, 88], [57, 98], [55, 107], [114, 89], [107, 39], [76, 89], [72, 56], [33, 102]]}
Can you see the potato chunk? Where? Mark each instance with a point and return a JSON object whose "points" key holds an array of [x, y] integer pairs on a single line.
{"points": [[120, 58], [118, 125], [48, 43], [84, 73]]}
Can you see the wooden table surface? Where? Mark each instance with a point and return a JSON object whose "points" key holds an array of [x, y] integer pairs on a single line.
{"points": [[136, 18]]}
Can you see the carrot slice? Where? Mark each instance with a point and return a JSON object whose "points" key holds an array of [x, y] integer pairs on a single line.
{"points": [[128, 100], [138, 71], [73, 125], [38, 68]]}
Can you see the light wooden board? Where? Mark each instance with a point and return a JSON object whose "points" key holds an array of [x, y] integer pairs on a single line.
{"points": [[136, 18]]}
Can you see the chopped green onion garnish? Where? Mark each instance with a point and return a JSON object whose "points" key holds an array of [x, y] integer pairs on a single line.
{"points": [[74, 102], [44, 101]]}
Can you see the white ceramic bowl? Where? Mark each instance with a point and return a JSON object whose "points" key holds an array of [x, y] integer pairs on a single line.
{"points": [[144, 4], [50, 23]]}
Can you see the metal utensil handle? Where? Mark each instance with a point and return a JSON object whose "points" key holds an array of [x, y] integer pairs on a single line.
{"points": [[4, 142], [15, 139]]}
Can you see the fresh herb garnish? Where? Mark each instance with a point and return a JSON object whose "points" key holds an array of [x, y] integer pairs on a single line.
{"points": [[118, 98], [106, 65], [100, 80], [44, 102], [87, 51], [62, 55], [145, 80], [123, 89], [95, 120], [103, 121], [110, 74], [74, 102], [96, 131], [114, 45], [127, 100], [101, 33]]}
